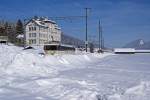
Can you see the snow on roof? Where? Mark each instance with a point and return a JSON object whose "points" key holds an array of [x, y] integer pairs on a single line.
{"points": [[50, 21], [124, 50], [40, 23], [58, 28], [143, 51], [65, 45], [20, 36]]}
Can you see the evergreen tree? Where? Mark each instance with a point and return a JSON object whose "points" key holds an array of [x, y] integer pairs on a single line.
{"points": [[11, 33], [19, 31], [19, 27], [6, 28], [2, 31]]}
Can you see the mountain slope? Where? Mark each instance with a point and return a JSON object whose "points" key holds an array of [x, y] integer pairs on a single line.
{"points": [[138, 44]]}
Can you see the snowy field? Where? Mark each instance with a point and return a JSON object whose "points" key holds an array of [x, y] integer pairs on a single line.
{"points": [[26, 75]]}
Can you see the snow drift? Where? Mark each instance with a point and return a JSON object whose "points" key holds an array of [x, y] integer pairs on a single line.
{"points": [[28, 75]]}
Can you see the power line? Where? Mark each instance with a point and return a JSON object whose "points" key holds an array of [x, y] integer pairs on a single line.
{"points": [[67, 17]]}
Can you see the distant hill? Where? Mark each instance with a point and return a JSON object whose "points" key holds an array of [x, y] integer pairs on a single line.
{"points": [[138, 44], [66, 39], [147, 45]]}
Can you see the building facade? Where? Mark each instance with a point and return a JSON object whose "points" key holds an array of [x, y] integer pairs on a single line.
{"points": [[42, 31]]}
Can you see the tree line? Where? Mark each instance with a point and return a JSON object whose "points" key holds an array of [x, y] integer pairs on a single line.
{"points": [[12, 30]]}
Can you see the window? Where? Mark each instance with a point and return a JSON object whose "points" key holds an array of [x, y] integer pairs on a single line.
{"points": [[40, 35], [34, 28], [29, 28], [32, 41], [30, 35], [33, 34]]}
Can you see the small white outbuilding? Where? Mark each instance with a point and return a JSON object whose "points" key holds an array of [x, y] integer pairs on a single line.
{"points": [[124, 50]]}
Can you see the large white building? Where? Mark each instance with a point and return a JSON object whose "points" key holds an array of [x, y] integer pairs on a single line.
{"points": [[40, 31]]}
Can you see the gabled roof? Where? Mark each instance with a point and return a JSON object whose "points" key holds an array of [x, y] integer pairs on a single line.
{"points": [[42, 22], [37, 23]]}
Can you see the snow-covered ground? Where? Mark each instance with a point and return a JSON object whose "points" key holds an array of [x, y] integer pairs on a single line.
{"points": [[27, 75]]}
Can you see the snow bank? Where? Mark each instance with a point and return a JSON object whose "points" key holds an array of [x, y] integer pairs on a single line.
{"points": [[30, 63], [27, 74], [64, 91], [139, 92]]}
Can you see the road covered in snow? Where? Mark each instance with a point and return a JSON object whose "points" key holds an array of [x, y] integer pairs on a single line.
{"points": [[27, 75]]}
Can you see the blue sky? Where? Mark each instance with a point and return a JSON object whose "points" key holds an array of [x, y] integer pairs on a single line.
{"points": [[122, 20]]}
